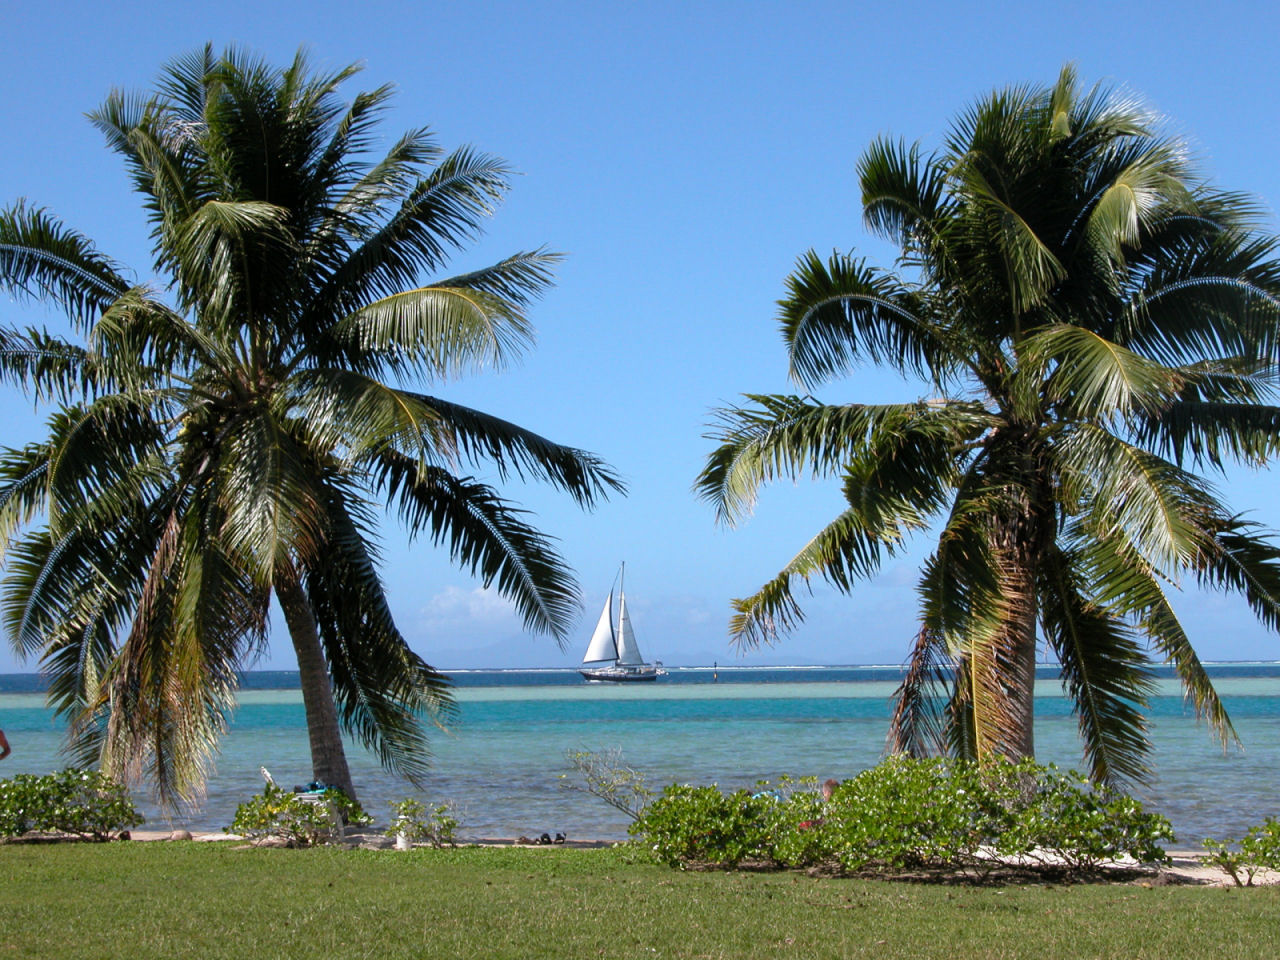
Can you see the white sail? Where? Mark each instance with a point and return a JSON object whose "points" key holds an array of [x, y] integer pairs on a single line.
{"points": [[602, 646], [628, 652], [613, 655]]}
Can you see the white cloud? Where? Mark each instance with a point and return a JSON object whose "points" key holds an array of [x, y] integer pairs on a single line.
{"points": [[455, 606]]}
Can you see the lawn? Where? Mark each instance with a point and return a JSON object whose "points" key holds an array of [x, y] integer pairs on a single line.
{"points": [[167, 900]]}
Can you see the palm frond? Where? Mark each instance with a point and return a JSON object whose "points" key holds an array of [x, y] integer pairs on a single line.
{"points": [[843, 551], [901, 192], [485, 535], [783, 437], [1163, 511], [383, 689], [442, 212], [272, 494], [1097, 378], [41, 258], [172, 684], [918, 725], [1210, 432], [1125, 586], [840, 312], [1104, 672], [439, 332]]}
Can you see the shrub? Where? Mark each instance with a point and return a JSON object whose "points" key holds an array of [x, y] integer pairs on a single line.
{"points": [[702, 825], [801, 829], [297, 819], [1059, 819], [1259, 849], [410, 818], [908, 814], [82, 803]]}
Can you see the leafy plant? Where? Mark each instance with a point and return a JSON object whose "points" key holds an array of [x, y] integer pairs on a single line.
{"points": [[410, 818], [910, 814], [300, 820], [606, 776], [83, 803], [688, 825], [907, 814], [1231, 861], [1062, 819], [1259, 849]]}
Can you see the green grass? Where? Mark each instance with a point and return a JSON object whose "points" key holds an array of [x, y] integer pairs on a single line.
{"points": [[168, 900]]}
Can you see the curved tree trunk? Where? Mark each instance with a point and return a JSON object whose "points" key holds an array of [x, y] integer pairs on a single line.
{"points": [[1001, 672], [1021, 666], [328, 758], [1020, 543]]}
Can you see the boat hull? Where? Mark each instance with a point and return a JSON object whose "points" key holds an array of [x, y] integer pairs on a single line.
{"points": [[616, 674]]}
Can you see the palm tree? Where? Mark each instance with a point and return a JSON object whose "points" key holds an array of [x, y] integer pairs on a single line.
{"points": [[237, 441], [1094, 325]]}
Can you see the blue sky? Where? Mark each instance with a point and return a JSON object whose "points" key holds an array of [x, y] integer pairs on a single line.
{"points": [[683, 155]]}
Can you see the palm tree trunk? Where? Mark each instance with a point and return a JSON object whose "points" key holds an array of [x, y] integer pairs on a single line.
{"points": [[1001, 674], [328, 758], [1021, 650], [1021, 542]]}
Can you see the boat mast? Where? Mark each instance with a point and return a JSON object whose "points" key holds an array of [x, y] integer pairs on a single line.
{"points": [[622, 599]]}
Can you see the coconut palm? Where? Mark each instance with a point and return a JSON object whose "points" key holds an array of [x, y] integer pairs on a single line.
{"points": [[1096, 328], [237, 439]]}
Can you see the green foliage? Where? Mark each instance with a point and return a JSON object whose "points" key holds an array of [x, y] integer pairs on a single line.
{"points": [[1043, 815], [410, 818], [300, 820], [236, 430], [83, 803], [1259, 849], [702, 825], [908, 814], [1092, 326]]}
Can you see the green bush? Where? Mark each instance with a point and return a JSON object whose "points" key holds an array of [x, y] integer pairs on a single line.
{"points": [[281, 814], [908, 814], [702, 825], [801, 830], [82, 803], [1059, 819], [411, 818], [1259, 849]]}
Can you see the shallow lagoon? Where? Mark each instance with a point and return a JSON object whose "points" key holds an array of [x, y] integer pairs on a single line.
{"points": [[502, 758]]}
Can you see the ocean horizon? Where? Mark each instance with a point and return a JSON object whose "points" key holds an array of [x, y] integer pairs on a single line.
{"points": [[34, 682], [503, 762]]}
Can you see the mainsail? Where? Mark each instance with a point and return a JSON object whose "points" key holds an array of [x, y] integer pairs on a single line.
{"points": [[602, 645]]}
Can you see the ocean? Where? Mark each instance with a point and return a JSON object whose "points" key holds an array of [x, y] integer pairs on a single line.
{"points": [[503, 762]]}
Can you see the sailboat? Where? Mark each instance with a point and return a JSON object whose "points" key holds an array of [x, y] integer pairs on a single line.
{"points": [[612, 655]]}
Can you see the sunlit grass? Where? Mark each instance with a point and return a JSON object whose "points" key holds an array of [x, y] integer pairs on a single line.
{"points": [[139, 901]]}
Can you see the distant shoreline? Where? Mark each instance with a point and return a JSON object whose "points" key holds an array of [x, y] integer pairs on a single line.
{"points": [[463, 677]]}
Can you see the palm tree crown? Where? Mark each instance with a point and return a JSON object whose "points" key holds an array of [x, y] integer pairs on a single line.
{"points": [[237, 440], [1094, 324]]}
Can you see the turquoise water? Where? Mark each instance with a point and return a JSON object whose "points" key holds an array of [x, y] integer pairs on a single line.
{"points": [[501, 761]]}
